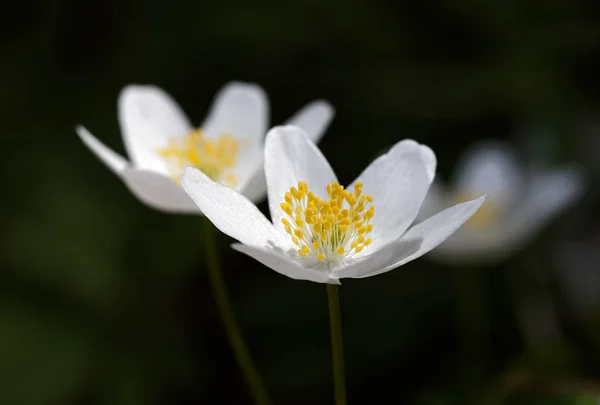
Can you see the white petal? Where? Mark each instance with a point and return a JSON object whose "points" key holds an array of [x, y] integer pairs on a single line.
{"points": [[159, 191], [231, 212], [283, 264], [239, 109], [490, 168], [380, 259], [149, 117], [398, 182], [313, 119], [291, 157], [434, 231], [113, 160], [428, 156], [548, 194]]}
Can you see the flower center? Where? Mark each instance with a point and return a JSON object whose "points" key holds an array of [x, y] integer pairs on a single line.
{"points": [[485, 217], [215, 157], [328, 230]]}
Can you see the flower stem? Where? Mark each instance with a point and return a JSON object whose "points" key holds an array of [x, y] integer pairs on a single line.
{"points": [[240, 349], [335, 322]]}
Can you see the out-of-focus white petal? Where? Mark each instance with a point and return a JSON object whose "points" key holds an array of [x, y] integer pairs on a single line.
{"points": [[291, 157], [239, 109], [255, 188], [434, 231], [149, 117], [490, 168], [242, 111], [380, 259], [232, 213], [158, 191], [313, 119], [398, 182], [282, 263], [111, 159], [549, 192]]}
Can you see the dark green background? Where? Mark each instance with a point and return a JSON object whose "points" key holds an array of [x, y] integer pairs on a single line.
{"points": [[104, 301]]}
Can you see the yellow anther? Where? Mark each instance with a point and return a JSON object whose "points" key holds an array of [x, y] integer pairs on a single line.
{"points": [[287, 208], [321, 256], [358, 249], [298, 221], [361, 230], [340, 250], [369, 228], [360, 239], [295, 240], [367, 242], [288, 198], [298, 233]]}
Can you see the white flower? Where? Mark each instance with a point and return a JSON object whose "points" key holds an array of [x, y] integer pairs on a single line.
{"points": [[322, 232], [161, 141], [520, 201]]}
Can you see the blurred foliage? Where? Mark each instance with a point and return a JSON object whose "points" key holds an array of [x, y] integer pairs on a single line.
{"points": [[104, 301]]}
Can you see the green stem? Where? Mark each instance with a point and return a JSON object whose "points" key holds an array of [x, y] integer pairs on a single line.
{"points": [[232, 329], [335, 322]]}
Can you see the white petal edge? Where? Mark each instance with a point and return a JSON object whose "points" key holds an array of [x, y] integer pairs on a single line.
{"points": [[159, 192], [434, 231], [232, 213], [428, 156], [313, 119], [240, 109], [398, 182], [291, 157], [110, 158], [283, 264], [148, 117], [491, 168]]}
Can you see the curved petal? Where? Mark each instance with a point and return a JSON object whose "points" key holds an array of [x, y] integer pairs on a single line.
{"points": [[398, 182], [291, 157], [239, 109], [313, 119], [378, 260], [149, 117], [434, 231], [490, 168], [159, 192], [283, 264], [232, 213], [111, 159], [428, 156]]}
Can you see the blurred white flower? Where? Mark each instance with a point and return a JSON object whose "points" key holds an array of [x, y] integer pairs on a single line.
{"points": [[228, 147], [520, 201], [322, 232]]}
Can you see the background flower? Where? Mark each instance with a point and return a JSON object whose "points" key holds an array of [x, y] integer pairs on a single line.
{"points": [[161, 141], [521, 200]]}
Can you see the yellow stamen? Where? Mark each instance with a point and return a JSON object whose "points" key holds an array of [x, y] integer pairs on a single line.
{"points": [[215, 157], [331, 229]]}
